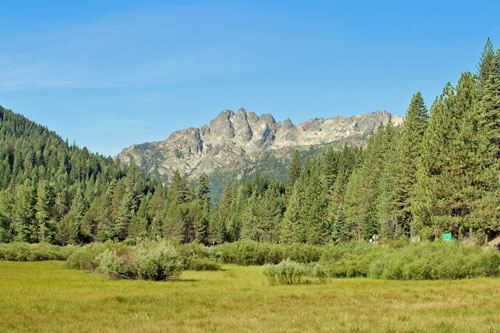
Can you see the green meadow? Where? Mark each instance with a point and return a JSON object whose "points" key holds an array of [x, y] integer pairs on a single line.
{"points": [[43, 296]]}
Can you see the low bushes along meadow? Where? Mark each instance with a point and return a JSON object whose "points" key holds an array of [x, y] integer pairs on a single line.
{"points": [[148, 260], [254, 253], [433, 261], [416, 261], [18, 251], [160, 260]]}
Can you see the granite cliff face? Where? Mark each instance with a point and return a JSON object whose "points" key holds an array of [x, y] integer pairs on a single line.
{"points": [[232, 140]]}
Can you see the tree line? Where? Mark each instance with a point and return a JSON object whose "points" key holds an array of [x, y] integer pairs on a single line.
{"points": [[439, 172]]}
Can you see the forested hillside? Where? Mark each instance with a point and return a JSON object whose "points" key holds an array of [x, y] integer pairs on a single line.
{"points": [[51, 191], [437, 173]]}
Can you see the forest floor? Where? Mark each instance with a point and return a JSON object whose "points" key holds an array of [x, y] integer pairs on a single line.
{"points": [[42, 296]]}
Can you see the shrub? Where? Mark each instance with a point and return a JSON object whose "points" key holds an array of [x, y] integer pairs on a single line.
{"points": [[148, 260], [350, 259], [432, 261], [245, 253], [320, 272], [199, 258], [155, 261], [203, 264], [18, 251], [304, 253], [286, 272], [114, 265], [85, 258], [255, 253]]}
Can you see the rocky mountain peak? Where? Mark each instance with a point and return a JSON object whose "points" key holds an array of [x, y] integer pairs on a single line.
{"points": [[231, 141]]}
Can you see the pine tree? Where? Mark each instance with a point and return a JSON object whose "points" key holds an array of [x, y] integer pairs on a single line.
{"points": [[177, 191], [385, 215], [69, 228], [78, 208], [24, 221], [489, 83], [202, 225], [46, 212], [487, 212], [447, 184], [315, 209], [330, 167], [340, 231], [235, 218], [416, 120], [295, 169], [124, 215], [139, 226], [250, 229], [227, 198], [348, 159], [103, 226], [360, 193], [293, 229], [6, 216], [272, 209], [157, 212]]}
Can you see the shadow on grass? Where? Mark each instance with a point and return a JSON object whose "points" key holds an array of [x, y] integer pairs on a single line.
{"points": [[182, 280]]}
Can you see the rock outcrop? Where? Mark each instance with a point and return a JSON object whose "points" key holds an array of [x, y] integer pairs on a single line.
{"points": [[234, 139]]}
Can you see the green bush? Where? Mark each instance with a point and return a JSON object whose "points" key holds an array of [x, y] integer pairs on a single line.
{"points": [[255, 253], [85, 258], [199, 258], [320, 272], [304, 253], [351, 259], [203, 264], [286, 272], [18, 251], [155, 261], [249, 253], [432, 261], [114, 265], [148, 260]]}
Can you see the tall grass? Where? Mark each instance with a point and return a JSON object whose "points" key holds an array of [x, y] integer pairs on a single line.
{"points": [[43, 297]]}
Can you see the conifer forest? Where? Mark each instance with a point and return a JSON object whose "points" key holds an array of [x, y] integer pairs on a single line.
{"points": [[438, 173]]}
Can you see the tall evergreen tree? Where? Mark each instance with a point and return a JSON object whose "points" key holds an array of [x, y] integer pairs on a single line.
{"points": [[330, 167], [385, 215], [360, 193], [205, 208], [46, 212], [316, 209], [295, 169], [340, 230], [24, 221], [6, 216], [447, 183], [416, 120]]}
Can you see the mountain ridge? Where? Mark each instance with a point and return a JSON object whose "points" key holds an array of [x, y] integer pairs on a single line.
{"points": [[232, 140]]}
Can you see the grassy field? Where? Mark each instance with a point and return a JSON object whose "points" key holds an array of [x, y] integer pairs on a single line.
{"points": [[42, 296]]}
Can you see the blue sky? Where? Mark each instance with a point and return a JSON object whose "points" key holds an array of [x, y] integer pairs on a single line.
{"points": [[108, 74]]}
